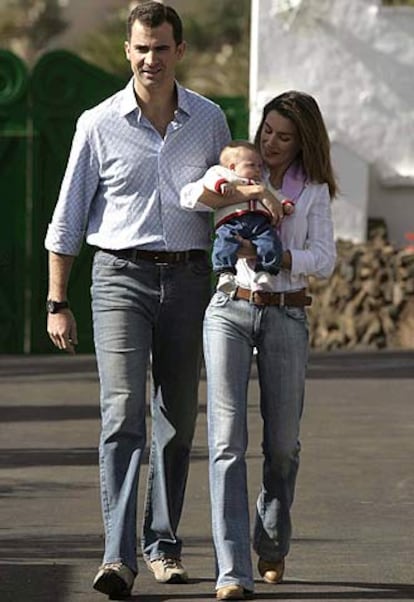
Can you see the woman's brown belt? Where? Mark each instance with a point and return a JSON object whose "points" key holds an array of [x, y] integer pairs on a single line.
{"points": [[289, 299]]}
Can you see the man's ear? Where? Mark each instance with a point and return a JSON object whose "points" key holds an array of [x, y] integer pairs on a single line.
{"points": [[181, 48], [126, 48], [232, 166]]}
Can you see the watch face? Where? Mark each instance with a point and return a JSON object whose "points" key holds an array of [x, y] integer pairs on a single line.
{"points": [[53, 307]]}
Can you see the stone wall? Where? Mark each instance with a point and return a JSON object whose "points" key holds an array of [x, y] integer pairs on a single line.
{"points": [[368, 303]]}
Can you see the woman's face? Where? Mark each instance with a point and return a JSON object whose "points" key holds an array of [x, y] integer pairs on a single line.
{"points": [[279, 141]]}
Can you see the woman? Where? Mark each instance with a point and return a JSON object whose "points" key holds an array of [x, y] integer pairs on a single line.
{"points": [[294, 144]]}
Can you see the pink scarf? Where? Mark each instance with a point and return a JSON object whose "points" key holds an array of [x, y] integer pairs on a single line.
{"points": [[294, 181]]}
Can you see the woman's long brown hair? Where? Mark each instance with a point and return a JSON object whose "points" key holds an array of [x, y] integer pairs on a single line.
{"points": [[303, 110]]}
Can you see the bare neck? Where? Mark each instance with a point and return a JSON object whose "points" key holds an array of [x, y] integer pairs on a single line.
{"points": [[158, 106], [276, 178]]}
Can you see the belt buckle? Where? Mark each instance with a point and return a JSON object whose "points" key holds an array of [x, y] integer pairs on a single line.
{"points": [[282, 299], [159, 262]]}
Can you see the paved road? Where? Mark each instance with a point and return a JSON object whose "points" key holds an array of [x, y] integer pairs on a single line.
{"points": [[354, 508]]}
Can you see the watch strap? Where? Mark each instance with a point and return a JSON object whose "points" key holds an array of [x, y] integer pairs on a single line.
{"points": [[53, 307]]}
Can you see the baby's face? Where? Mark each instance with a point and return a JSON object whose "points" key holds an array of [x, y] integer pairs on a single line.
{"points": [[248, 164]]}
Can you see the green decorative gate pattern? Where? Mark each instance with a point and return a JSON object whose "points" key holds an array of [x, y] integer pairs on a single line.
{"points": [[38, 112]]}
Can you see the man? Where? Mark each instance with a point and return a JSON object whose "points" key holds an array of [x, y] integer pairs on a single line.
{"points": [[131, 156]]}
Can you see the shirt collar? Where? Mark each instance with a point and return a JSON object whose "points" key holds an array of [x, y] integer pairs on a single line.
{"points": [[129, 103], [294, 181], [183, 99]]}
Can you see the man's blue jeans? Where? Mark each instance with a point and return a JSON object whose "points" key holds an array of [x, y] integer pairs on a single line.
{"points": [[232, 328], [145, 314]]}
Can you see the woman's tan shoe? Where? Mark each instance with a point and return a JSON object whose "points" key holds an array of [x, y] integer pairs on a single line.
{"points": [[271, 572], [233, 592]]}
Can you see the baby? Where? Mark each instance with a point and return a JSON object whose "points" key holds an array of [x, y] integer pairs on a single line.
{"points": [[240, 163]]}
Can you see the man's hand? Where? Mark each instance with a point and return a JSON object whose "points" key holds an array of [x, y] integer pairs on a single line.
{"points": [[62, 330]]}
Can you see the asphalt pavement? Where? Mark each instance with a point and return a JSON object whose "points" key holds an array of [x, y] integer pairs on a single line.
{"points": [[353, 513]]}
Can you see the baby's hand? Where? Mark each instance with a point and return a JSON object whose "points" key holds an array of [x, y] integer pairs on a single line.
{"points": [[288, 207]]}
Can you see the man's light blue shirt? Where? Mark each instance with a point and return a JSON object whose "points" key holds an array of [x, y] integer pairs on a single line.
{"points": [[122, 184]]}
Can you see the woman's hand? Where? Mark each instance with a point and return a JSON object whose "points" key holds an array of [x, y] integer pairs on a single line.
{"points": [[274, 206], [246, 250]]}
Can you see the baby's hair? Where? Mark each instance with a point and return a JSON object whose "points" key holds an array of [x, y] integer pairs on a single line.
{"points": [[231, 150]]}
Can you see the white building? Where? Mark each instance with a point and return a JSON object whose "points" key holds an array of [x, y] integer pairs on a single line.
{"points": [[357, 59]]}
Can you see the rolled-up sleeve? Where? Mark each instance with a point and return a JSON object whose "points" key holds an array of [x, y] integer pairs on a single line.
{"points": [[66, 231], [190, 195]]}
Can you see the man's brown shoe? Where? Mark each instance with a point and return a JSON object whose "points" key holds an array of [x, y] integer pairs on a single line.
{"points": [[271, 572], [233, 592]]}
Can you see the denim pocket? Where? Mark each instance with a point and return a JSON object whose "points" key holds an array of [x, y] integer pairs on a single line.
{"points": [[104, 260], [296, 313], [200, 267], [219, 299]]}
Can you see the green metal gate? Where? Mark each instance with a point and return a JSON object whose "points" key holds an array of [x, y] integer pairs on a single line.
{"points": [[38, 112], [13, 224]]}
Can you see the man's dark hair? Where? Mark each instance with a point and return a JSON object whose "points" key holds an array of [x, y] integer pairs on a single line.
{"points": [[153, 14]]}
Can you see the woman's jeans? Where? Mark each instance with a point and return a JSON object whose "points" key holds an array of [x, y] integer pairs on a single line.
{"points": [[146, 313], [232, 328]]}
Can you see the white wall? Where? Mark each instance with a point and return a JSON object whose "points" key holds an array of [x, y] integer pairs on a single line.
{"points": [[350, 209], [357, 59]]}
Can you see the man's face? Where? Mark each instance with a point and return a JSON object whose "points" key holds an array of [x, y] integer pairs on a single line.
{"points": [[153, 55]]}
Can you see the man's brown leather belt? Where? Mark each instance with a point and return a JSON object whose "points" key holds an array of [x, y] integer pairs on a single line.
{"points": [[293, 299], [158, 257]]}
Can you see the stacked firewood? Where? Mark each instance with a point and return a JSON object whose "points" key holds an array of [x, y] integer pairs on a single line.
{"points": [[368, 303]]}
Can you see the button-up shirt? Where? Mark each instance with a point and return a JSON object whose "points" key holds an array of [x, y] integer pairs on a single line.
{"points": [[122, 184]]}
